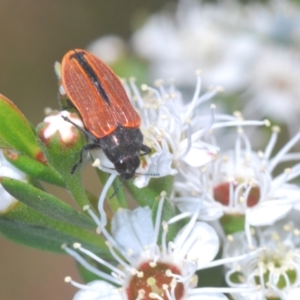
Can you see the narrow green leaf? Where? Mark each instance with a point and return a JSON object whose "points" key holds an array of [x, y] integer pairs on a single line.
{"points": [[34, 236], [46, 203], [4, 145], [39, 237], [147, 195], [15, 130], [32, 221], [34, 168]]}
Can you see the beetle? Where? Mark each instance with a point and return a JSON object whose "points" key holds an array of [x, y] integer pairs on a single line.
{"points": [[109, 119]]}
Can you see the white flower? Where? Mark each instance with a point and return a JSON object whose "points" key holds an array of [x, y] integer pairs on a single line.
{"points": [[148, 270], [198, 35], [109, 48], [97, 290], [242, 181], [276, 270], [274, 89], [8, 170], [175, 126]]}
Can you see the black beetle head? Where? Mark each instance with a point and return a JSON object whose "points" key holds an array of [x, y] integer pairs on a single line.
{"points": [[126, 166]]}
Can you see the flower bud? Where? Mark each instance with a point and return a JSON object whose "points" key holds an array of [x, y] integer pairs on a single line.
{"points": [[61, 141]]}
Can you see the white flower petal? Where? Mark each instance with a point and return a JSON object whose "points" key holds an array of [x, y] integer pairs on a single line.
{"points": [[209, 211], [198, 157], [133, 230], [98, 290], [141, 181], [294, 294], [207, 296], [263, 214], [158, 165], [104, 161], [201, 245], [290, 192], [256, 295]]}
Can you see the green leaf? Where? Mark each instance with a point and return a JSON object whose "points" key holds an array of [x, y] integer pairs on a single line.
{"points": [[45, 203], [16, 131], [34, 222], [146, 196], [34, 236], [40, 237], [4, 145], [34, 168]]}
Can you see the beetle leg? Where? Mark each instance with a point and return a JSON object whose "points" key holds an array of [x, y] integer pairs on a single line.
{"points": [[85, 148], [145, 150]]}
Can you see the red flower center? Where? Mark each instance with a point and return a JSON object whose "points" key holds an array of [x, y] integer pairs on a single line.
{"points": [[222, 193], [155, 278]]}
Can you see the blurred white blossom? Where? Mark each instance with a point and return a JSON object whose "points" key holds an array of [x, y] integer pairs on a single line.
{"points": [[109, 48], [251, 49]]}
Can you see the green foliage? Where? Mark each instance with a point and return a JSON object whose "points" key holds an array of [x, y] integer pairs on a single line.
{"points": [[16, 131]]}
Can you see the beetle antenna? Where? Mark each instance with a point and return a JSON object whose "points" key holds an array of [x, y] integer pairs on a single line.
{"points": [[79, 128], [148, 174], [118, 187]]}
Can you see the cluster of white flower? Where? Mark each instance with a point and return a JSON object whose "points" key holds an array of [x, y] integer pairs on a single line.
{"points": [[219, 181], [231, 197], [251, 49]]}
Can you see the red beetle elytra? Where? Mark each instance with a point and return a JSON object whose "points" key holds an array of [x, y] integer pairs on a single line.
{"points": [[110, 120]]}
